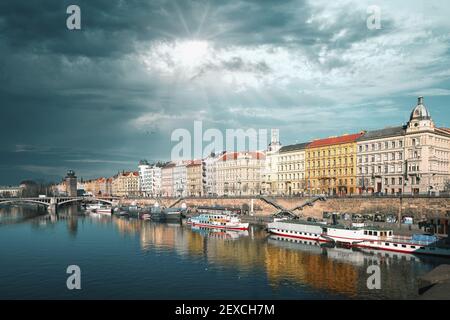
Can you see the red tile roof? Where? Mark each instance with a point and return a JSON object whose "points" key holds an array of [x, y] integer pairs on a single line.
{"points": [[335, 140], [234, 155], [194, 163]]}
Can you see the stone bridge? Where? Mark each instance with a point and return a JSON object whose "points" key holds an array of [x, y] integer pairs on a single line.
{"points": [[52, 203]]}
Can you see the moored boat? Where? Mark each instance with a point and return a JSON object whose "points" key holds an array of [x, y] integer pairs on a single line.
{"points": [[104, 209], [219, 221], [359, 235]]}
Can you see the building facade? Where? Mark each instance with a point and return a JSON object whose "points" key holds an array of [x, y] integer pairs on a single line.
{"points": [[270, 172], [381, 161], [126, 184], [10, 191], [194, 178], [167, 180], [427, 153], [149, 179], [209, 174], [180, 179], [331, 165], [291, 169], [240, 173]]}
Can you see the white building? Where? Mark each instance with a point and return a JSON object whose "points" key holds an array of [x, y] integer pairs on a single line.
{"points": [[291, 174], [209, 167], [410, 159], [149, 179], [10, 191], [240, 173], [180, 186], [427, 153], [380, 161], [270, 172]]}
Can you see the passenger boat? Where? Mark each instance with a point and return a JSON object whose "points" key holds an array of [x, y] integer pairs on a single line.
{"points": [[360, 235], [103, 209], [218, 221]]}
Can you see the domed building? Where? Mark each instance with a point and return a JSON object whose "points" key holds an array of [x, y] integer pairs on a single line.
{"points": [[409, 159], [427, 152]]}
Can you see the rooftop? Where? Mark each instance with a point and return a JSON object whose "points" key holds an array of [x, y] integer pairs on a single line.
{"points": [[348, 138], [383, 133], [294, 147]]}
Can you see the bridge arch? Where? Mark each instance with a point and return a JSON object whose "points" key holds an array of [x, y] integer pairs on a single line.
{"points": [[9, 201], [84, 200]]}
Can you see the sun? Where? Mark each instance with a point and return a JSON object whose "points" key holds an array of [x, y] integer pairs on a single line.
{"points": [[191, 53]]}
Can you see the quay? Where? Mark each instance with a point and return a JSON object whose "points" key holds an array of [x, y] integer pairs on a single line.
{"points": [[435, 285]]}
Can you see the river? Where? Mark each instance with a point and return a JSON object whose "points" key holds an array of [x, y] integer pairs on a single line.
{"points": [[122, 258]]}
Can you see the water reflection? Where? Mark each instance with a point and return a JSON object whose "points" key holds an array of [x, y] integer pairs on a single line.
{"points": [[286, 268]]}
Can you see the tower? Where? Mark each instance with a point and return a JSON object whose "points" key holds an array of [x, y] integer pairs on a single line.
{"points": [[71, 183], [420, 119]]}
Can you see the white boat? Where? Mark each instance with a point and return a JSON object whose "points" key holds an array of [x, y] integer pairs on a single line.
{"points": [[104, 209], [93, 206], [218, 221], [360, 236]]}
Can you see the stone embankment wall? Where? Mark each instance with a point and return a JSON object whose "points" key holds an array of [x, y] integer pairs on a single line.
{"points": [[418, 207]]}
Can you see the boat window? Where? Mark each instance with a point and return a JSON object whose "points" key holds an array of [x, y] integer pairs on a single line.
{"points": [[422, 248], [387, 244], [413, 247], [403, 246], [365, 232], [395, 245], [375, 233], [370, 233]]}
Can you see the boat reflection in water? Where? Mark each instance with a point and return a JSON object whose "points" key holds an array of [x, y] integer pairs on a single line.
{"points": [[341, 269], [220, 233]]}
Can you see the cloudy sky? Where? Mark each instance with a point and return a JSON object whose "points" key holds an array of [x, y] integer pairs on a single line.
{"points": [[99, 99]]}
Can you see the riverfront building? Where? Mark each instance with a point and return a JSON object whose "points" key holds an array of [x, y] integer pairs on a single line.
{"points": [[381, 161], [291, 169], [149, 179], [209, 174], [10, 191], [427, 153], [194, 178], [410, 159], [180, 179], [413, 158], [126, 183], [239, 173], [167, 180], [331, 165], [270, 173]]}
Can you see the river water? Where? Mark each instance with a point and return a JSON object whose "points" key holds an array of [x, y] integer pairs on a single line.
{"points": [[124, 258]]}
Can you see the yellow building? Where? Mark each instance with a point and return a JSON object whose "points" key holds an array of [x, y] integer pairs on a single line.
{"points": [[194, 178], [125, 184], [331, 165]]}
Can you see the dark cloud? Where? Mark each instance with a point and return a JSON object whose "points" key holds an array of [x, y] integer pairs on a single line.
{"points": [[85, 100]]}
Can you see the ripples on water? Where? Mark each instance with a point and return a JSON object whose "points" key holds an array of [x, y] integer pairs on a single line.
{"points": [[134, 259]]}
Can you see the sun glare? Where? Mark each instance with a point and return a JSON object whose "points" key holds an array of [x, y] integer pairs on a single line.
{"points": [[191, 53]]}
